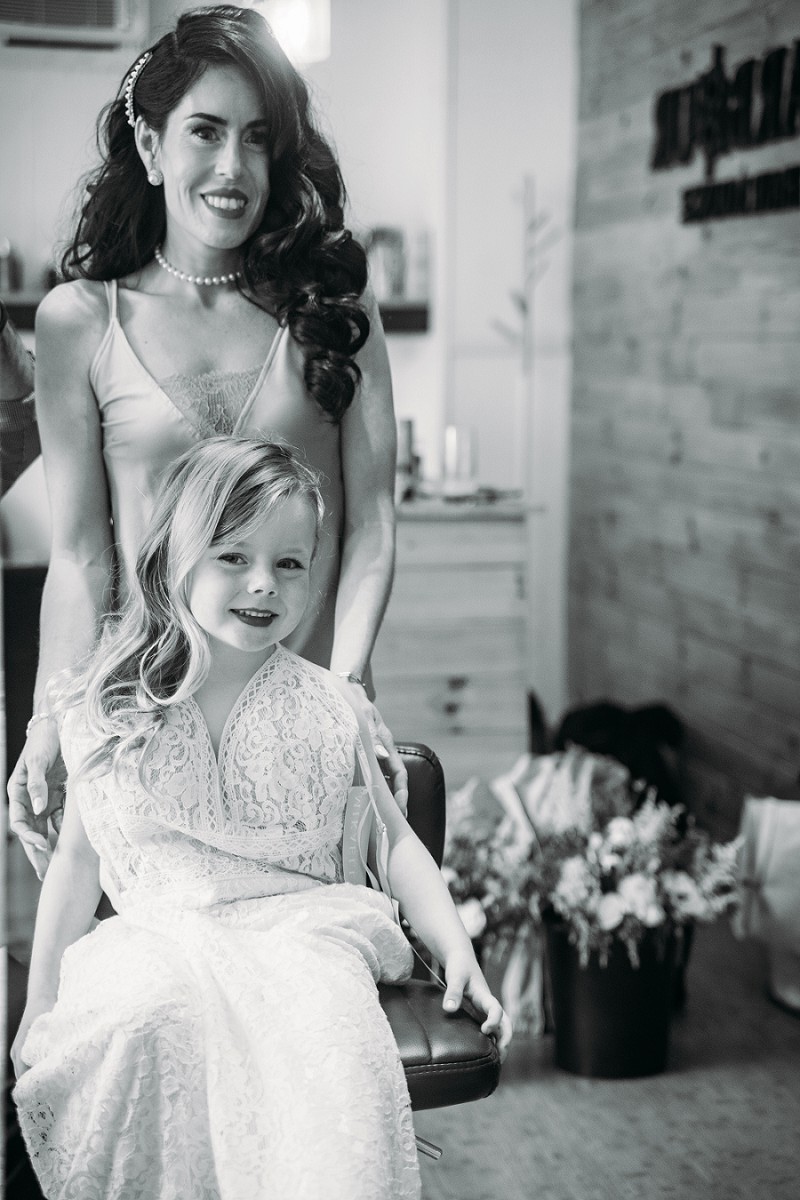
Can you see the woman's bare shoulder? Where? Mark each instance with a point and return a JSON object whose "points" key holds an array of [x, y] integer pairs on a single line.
{"points": [[71, 322], [74, 310]]}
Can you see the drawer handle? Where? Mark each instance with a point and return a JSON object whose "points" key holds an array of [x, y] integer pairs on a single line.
{"points": [[457, 683], [451, 707]]}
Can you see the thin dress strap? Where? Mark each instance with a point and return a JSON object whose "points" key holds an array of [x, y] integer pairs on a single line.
{"points": [[111, 296], [110, 286]]}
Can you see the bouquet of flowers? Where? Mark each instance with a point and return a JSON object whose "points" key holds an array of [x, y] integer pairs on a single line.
{"points": [[575, 838], [649, 870]]}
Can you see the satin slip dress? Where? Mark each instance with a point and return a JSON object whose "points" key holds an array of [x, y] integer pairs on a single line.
{"points": [[144, 430]]}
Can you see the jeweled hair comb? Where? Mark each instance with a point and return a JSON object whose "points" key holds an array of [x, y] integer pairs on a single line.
{"points": [[131, 84]]}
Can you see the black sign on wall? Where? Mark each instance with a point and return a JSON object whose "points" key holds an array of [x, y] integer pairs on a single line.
{"points": [[717, 114]]}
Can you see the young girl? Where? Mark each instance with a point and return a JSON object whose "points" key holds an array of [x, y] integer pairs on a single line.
{"points": [[221, 1038]]}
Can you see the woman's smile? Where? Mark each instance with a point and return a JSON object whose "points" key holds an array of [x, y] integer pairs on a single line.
{"points": [[228, 203]]}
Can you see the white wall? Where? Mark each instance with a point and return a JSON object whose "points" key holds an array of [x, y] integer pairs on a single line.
{"points": [[383, 93], [50, 100], [514, 85], [513, 113]]}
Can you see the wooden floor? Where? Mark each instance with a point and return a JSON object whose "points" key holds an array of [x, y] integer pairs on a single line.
{"points": [[723, 1122]]}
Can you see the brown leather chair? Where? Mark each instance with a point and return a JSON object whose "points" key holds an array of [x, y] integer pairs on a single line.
{"points": [[447, 1059]]}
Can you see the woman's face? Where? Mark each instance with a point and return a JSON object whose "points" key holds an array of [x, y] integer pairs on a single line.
{"points": [[214, 157]]}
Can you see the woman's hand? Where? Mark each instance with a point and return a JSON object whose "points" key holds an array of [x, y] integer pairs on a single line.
{"points": [[33, 1009], [36, 793], [465, 979], [386, 753], [382, 743]]}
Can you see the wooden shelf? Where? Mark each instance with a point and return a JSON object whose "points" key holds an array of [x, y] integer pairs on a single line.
{"points": [[403, 316]]}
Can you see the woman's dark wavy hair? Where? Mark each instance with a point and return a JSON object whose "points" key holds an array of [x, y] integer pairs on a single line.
{"points": [[301, 263]]}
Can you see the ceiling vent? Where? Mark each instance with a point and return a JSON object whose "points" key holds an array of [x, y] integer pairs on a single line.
{"points": [[95, 24]]}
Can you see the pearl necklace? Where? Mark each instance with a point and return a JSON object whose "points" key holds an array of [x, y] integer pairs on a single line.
{"points": [[203, 280]]}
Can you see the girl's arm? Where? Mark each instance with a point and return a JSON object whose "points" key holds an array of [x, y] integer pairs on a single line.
{"points": [[70, 894], [417, 884], [369, 452], [69, 326]]}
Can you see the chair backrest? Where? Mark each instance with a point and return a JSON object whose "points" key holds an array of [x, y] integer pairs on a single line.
{"points": [[426, 796]]}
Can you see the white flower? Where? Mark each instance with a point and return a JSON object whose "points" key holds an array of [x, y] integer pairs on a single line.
{"points": [[515, 853], [574, 883], [609, 861], [654, 915], [685, 895], [473, 917], [620, 832], [449, 875], [652, 821], [610, 910], [639, 894], [595, 841]]}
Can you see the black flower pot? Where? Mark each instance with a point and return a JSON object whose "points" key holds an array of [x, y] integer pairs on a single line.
{"points": [[612, 1021]]}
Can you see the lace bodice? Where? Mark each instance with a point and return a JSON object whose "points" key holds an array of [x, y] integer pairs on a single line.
{"points": [[266, 818], [213, 401]]}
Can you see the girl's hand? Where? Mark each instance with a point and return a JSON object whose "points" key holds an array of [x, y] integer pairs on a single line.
{"points": [[382, 744], [32, 1011], [465, 979], [36, 793]]}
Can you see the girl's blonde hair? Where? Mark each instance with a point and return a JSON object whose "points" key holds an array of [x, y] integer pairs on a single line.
{"points": [[155, 654]]}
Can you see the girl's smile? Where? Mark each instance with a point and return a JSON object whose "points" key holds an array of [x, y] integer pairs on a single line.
{"points": [[259, 618]]}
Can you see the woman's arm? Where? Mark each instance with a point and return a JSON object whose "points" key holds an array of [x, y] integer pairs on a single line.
{"points": [[69, 326], [369, 451], [70, 894]]}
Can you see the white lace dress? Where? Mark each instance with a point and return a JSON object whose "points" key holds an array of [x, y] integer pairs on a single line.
{"points": [[221, 1038]]}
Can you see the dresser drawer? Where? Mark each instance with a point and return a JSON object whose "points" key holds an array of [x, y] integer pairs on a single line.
{"points": [[450, 661], [449, 648], [456, 593], [466, 705], [437, 543]]}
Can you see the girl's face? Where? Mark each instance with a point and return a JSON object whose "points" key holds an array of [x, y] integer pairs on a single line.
{"points": [[214, 157], [249, 593]]}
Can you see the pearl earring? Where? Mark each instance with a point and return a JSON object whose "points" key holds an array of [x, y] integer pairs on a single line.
{"points": [[154, 177]]}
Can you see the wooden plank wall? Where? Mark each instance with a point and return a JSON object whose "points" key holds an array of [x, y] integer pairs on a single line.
{"points": [[684, 574]]}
